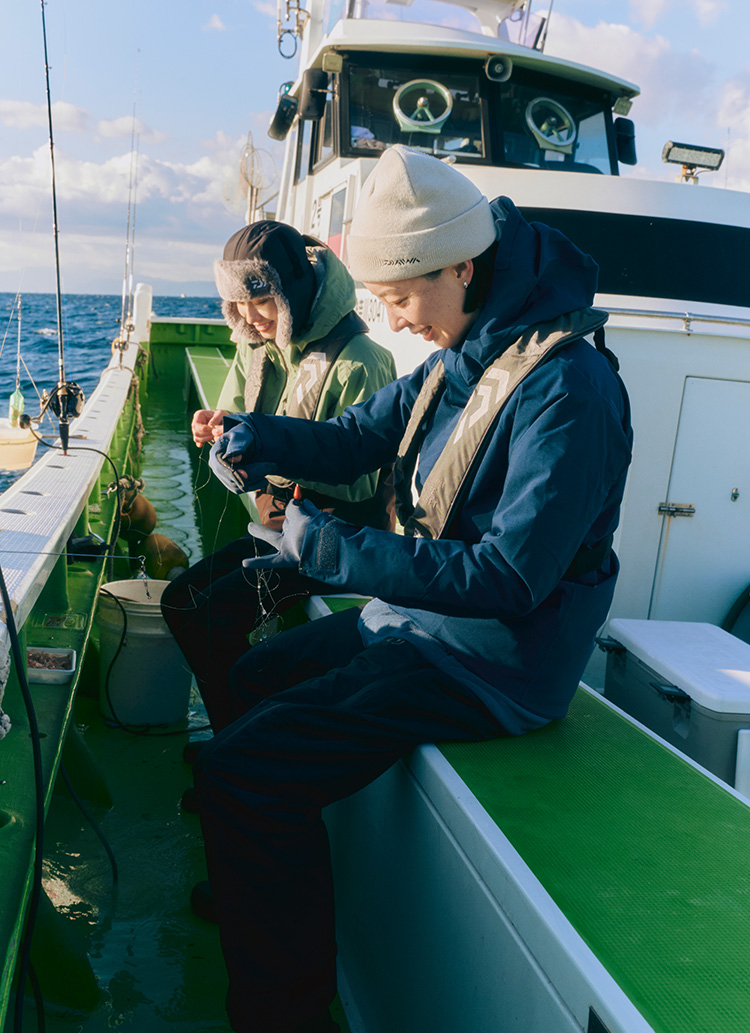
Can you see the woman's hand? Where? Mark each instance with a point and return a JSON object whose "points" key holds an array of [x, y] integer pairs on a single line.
{"points": [[231, 458], [287, 542], [207, 425]]}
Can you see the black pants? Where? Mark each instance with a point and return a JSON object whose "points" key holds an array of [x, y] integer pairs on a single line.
{"points": [[323, 717], [213, 607]]}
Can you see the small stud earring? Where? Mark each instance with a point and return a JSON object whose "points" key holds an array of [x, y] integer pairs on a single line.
{"points": [[465, 284]]}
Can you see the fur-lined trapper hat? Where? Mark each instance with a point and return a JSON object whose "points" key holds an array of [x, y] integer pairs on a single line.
{"points": [[266, 259]]}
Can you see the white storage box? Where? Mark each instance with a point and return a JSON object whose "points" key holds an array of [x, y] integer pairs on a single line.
{"points": [[59, 671], [687, 681]]}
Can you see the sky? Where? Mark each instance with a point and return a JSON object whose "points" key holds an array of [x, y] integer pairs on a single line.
{"points": [[199, 75]]}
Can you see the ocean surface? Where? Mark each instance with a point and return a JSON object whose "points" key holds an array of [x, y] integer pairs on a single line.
{"points": [[90, 323]]}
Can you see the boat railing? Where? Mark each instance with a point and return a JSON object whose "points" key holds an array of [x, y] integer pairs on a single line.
{"points": [[40, 511], [688, 318]]}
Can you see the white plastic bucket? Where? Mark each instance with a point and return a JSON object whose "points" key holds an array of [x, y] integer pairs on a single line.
{"points": [[149, 681], [17, 447]]}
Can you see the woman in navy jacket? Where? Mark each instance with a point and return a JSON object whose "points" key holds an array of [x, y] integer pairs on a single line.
{"points": [[515, 435]]}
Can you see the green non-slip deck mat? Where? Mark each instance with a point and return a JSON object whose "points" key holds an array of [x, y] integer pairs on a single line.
{"points": [[210, 366], [335, 603], [646, 857]]}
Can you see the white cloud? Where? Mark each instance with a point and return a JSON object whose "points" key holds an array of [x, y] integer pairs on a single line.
{"points": [[266, 8], [21, 114], [682, 95], [91, 192], [709, 10], [214, 24], [94, 263], [112, 128], [68, 118], [734, 116], [675, 85], [648, 12]]}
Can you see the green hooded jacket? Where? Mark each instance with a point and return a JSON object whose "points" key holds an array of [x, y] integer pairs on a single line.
{"points": [[361, 368]]}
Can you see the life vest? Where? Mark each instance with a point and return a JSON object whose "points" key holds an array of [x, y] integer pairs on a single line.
{"points": [[312, 372], [451, 476]]}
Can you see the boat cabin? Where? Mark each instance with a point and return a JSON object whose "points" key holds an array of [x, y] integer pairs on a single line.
{"points": [[470, 84]]}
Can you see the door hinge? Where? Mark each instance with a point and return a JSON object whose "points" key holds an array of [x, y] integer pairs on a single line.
{"points": [[675, 509]]}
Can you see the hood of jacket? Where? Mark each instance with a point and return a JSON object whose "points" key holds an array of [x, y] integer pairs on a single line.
{"points": [[334, 297], [539, 275]]}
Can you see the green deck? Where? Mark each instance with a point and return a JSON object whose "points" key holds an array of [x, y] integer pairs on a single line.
{"points": [[647, 857], [209, 367]]}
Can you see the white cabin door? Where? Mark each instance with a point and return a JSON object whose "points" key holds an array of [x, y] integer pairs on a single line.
{"points": [[704, 559]]}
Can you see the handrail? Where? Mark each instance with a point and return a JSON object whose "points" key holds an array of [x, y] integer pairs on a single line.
{"points": [[686, 317]]}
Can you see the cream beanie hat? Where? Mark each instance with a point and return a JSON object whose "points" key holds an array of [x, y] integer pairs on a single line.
{"points": [[416, 215]]}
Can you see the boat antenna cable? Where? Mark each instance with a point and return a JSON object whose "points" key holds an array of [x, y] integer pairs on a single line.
{"points": [[67, 398], [545, 28]]}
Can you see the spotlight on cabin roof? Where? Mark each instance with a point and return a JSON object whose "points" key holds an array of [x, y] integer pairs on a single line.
{"points": [[691, 156]]}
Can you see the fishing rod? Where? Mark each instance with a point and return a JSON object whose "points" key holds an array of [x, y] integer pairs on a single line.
{"points": [[126, 315], [66, 400], [16, 403]]}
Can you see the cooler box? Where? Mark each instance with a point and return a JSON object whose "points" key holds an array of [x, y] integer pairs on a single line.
{"points": [[690, 683]]}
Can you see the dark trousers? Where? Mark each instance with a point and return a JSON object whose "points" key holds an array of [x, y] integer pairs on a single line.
{"points": [[322, 717], [213, 607]]}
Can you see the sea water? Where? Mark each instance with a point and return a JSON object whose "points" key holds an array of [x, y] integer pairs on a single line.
{"points": [[90, 323]]}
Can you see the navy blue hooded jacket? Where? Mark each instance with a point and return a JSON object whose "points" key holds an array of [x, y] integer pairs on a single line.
{"points": [[490, 603]]}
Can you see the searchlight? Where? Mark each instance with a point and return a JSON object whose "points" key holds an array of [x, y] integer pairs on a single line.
{"points": [[692, 158]]}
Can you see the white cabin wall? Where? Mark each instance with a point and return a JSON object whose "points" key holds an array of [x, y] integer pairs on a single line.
{"points": [[654, 364]]}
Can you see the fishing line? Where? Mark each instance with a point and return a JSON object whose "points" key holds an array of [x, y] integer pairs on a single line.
{"points": [[16, 302], [24, 267], [38, 393], [36, 888]]}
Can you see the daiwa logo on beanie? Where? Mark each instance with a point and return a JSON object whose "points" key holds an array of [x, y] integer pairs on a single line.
{"points": [[416, 215]]}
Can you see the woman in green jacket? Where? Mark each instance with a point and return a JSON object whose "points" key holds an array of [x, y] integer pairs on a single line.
{"points": [[301, 351]]}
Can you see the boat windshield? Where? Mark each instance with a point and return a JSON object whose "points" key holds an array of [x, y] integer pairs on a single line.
{"points": [[553, 126], [452, 109], [436, 112]]}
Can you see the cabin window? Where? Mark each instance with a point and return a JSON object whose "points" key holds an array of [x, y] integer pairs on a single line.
{"points": [[336, 222], [324, 136], [426, 108], [302, 158], [544, 127]]}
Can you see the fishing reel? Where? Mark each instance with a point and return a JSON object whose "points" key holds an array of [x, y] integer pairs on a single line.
{"points": [[66, 401]]}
